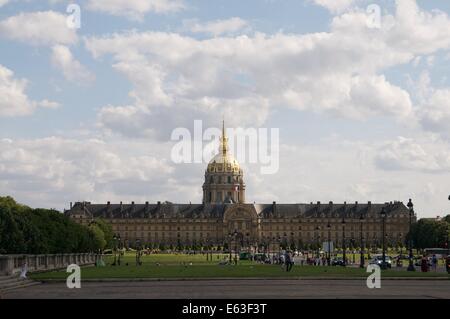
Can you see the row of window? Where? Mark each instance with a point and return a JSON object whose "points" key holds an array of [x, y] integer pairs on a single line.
{"points": [[270, 236]]}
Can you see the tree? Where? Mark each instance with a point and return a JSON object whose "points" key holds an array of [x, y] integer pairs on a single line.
{"points": [[107, 232], [428, 234], [42, 231], [447, 218], [98, 236]]}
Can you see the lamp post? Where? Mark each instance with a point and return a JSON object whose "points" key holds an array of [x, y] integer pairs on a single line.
{"points": [[344, 257], [279, 245], [318, 240], [273, 250], [329, 246], [383, 220], [115, 249], [235, 247], [401, 244], [361, 243], [411, 214], [448, 246], [353, 243], [120, 248], [229, 246], [138, 252]]}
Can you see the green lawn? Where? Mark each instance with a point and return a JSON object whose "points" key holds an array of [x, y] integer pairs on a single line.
{"points": [[196, 266]]}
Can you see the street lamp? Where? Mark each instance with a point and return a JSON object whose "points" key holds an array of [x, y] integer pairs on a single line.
{"points": [[352, 241], [383, 219], [235, 247], [115, 249], [120, 248], [138, 252], [329, 247], [361, 243], [344, 257], [318, 243], [279, 245], [411, 214], [229, 246], [448, 246]]}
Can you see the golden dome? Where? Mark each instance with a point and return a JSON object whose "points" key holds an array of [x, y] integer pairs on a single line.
{"points": [[223, 161]]}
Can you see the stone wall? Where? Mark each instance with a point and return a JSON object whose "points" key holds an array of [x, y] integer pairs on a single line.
{"points": [[12, 264]]}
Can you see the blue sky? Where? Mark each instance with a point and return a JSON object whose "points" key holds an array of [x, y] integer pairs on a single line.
{"points": [[363, 112]]}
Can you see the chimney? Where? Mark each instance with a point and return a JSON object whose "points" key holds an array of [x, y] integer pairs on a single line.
{"points": [[70, 205]]}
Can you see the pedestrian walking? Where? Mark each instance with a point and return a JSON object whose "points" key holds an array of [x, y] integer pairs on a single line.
{"points": [[434, 262], [24, 270], [424, 264]]}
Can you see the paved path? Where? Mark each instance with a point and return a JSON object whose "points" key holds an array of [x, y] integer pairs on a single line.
{"points": [[237, 289]]}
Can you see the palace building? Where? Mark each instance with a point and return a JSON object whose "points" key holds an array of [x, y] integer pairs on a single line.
{"points": [[225, 217]]}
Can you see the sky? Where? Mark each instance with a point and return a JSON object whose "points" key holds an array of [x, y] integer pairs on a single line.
{"points": [[359, 92]]}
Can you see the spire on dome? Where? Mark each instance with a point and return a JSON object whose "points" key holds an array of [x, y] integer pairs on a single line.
{"points": [[223, 140]]}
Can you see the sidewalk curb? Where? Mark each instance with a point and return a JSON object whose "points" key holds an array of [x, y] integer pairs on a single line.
{"points": [[241, 278]]}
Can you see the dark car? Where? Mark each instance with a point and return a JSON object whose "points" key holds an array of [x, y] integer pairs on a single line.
{"points": [[378, 260], [337, 262]]}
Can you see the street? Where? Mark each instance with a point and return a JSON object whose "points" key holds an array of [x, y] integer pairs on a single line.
{"points": [[237, 289]]}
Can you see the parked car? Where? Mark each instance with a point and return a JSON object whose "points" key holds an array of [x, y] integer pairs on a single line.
{"points": [[337, 262], [378, 260]]}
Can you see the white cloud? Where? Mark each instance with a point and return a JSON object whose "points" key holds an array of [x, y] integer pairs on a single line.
{"points": [[59, 170], [38, 28], [339, 72], [3, 2], [434, 112], [218, 27], [135, 9], [13, 99], [336, 6], [72, 69], [49, 104], [429, 154]]}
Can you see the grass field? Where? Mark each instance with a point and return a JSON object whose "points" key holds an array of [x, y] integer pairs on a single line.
{"points": [[196, 266]]}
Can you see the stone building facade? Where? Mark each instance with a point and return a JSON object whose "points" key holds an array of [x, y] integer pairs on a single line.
{"points": [[224, 217]]}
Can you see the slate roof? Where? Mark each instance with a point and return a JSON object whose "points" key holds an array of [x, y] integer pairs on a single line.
{"points": [[274, 210]]}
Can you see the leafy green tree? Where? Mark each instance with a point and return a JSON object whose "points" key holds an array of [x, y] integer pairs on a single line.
{"points": [[107, 232], [428, 233], [447, 218], [40, 231], [98, 237]]}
